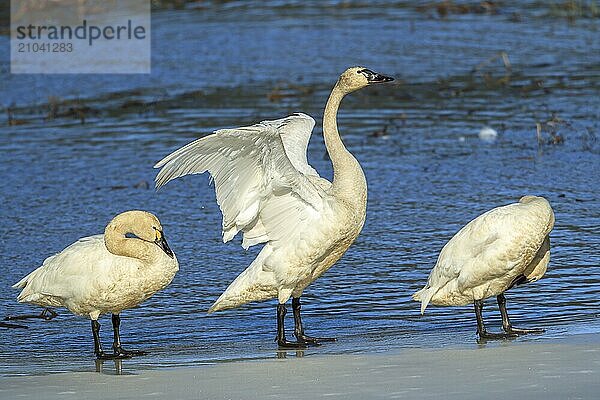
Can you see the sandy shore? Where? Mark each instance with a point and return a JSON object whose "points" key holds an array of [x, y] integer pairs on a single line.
{"points": [[566, 368]]}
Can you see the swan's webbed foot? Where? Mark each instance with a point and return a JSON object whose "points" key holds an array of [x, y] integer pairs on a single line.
{"points": [[282, 342], [120, 351], [506, 324], [285, 344], [101, 355], [496, 336], [482, 332], [47, 314], [303, 341], [315, 341], [520, 331], [299, 328]]}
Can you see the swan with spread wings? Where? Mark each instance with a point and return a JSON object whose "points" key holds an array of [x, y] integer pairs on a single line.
{"points": [[266, 189]]}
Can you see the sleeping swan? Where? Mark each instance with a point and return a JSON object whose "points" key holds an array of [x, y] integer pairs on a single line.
{"points": [[105, 273], [501, 248]]}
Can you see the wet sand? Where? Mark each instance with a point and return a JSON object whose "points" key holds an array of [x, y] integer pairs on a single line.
{"points": [[565, 368]]}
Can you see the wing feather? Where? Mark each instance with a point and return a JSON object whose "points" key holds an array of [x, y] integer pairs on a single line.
{"points": [[498, 244], [259, 171]]}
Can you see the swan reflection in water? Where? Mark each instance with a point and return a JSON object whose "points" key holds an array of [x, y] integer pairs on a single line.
{"points": [[118, 363]]}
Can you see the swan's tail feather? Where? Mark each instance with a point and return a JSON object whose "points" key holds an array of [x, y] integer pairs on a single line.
{"points": [[226, 302], [21, 284], [254, 284], [25, 295], [31, 292], [244, 289], [424, 296]]}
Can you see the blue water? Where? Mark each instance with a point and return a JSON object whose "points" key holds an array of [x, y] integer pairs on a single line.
{"points": [[230, 65]]}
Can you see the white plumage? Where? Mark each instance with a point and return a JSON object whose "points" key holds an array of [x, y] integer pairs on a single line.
{"points": [[105, 273], [266, 189], [505, 246], [252, 166]]}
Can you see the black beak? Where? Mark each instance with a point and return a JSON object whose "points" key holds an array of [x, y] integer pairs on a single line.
{"points": [[162, 243], [378, 78], [374, 77]]}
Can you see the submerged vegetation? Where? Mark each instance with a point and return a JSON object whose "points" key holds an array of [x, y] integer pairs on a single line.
{"points": [[574, 9], [493, 76], [447, 7]]}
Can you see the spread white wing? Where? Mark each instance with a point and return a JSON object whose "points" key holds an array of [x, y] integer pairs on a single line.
{"points": [[264, 184]]}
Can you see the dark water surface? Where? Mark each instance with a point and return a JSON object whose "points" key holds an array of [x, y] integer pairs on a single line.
{"points": [[427, 169]]}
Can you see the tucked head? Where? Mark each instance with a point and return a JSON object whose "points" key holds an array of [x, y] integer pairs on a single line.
{"points": [[527, 199], [143, 225], [355, 78]]}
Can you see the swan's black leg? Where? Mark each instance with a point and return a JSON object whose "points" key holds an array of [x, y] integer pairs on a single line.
{"points": [[100, 354], [282, 342], [299, 328], [483, 334], [14, 326], [46, 314], [120, 352], [506, 325]]}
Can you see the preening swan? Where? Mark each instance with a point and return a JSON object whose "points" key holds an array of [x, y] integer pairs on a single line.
{"points": [[105, 273], [501, 248], [266, 189]]}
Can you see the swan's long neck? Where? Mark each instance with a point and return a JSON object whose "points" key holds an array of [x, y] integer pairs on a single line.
{"points": [[117, 243], [348, 177]]}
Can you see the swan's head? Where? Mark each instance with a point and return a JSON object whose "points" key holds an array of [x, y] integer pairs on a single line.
{"points": [[527, 199], [143, 225], [355, 78]]}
